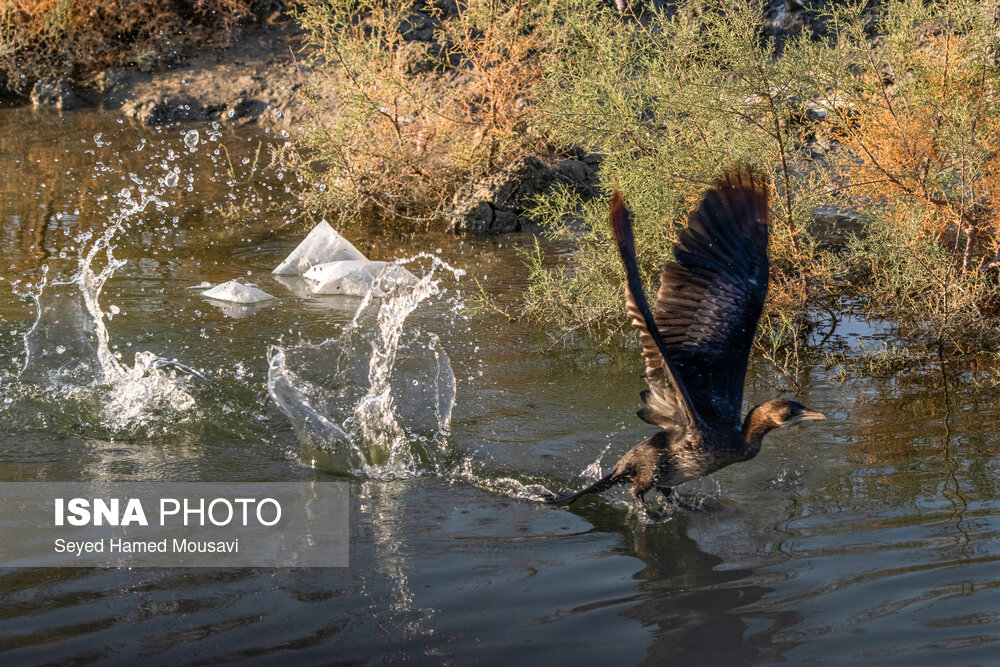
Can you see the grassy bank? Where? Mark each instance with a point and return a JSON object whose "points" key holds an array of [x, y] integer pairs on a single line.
{"points": [[887, 114]]}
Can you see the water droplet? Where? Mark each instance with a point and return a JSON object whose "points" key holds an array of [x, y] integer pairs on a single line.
{"points": [[60, 349], [170, 180], [191, 139]]}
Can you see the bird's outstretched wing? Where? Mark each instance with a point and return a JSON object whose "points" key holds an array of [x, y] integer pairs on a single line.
{"points": [[667, 402], [711, 297], [708, 304]]}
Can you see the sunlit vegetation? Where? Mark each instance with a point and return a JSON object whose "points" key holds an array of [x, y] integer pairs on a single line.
{"points": [[891, 113], [888, 113], [670, 103], [414, 99], [917, 121], [60, 38]]}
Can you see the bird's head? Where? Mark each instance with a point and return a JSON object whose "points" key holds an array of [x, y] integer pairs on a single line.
{"points": [[779, 412]]}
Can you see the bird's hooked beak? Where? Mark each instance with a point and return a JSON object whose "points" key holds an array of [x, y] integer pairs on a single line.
{"points": [[805, 416]]}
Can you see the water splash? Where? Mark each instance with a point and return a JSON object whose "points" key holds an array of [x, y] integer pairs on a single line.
{"points": [[595, 470], [370, 402], [67, 348], [524, 487], [475, 473]]}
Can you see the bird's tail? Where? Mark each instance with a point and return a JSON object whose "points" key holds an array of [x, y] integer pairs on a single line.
{"points": [[600, 485], [621, 221]]}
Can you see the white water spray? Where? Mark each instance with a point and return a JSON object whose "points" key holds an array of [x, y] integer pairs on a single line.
{"points": [[377, 425], [67, 348]]}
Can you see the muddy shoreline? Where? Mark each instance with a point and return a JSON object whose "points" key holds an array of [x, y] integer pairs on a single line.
{"points": [[255, 79], [262, 78]]}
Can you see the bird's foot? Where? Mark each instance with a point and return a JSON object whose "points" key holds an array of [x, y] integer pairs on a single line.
{"points": [[691, 503], [646, 513], [655, 515]]}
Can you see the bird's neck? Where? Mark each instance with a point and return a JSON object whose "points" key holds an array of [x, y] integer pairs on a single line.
{"points": [[755, 427]]}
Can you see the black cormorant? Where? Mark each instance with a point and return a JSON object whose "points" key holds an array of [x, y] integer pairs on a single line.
{"points": [[696, 342]]}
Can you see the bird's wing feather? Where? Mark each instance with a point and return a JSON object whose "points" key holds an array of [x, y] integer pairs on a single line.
{"points": [[711, 297], [666, 401]]}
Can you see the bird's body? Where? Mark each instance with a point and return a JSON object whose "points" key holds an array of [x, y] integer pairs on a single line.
{"points": [[696, 342]]}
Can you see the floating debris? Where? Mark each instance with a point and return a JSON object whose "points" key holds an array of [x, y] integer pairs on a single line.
{"points": [[334, 266], [322, 245], [357, 278], [236, 292]]}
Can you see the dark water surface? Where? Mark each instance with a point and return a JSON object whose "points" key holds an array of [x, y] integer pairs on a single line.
{"points": [[869, 537]]}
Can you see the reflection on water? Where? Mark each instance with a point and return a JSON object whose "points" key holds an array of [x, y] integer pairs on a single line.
{"points": [[872, 537]]}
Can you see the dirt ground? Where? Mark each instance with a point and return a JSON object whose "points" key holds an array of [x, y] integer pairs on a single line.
{"points": [[253, 80]]}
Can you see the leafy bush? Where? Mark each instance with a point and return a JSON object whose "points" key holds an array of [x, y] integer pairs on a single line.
{"points": [[905, 275], [412, 119], [918, 122], [670, 102], [893, 113], [890, 110]]}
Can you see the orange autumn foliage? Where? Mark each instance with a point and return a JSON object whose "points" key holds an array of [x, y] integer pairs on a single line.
{"points": [[72, 37], [920, 129]]}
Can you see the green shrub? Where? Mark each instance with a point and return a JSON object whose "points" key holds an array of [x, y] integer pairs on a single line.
{"points": [[918, 125], [671, 102], [891, 112], [401, 123]]}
